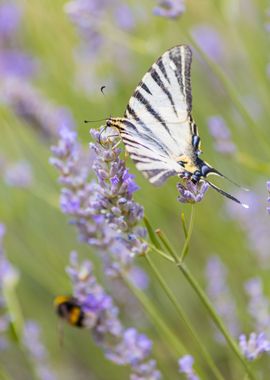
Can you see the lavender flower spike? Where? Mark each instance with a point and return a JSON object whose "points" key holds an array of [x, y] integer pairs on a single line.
{"points": [[190, 192], [170, 8], [115, 196], [220, 295], [221, 135], [259, 305], [37, 352], [8, 277], [268, 199], [255, 346], [121, 346], [185, 366], [104, 212]]}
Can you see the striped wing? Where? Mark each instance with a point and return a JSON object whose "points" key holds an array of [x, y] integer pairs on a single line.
{"points": [[157, 128]]}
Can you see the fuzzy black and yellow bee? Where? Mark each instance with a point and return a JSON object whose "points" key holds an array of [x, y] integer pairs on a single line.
{"points": [[69, 309]]}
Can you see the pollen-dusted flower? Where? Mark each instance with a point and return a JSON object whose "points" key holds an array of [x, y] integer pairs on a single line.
{"points": [[186, 367], [170, 8], [190, 192], [101, 316], [254, 346], [221, 135], [37, 352]]}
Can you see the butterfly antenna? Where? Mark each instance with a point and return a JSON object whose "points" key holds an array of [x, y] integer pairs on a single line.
{"points": [[94, 121], [227, 195], [215, 171]]}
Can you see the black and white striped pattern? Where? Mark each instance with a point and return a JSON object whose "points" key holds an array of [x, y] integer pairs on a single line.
{"points": [[157, 127]]}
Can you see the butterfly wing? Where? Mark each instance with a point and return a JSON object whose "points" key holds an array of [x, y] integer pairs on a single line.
{"points": [[157, 129]]}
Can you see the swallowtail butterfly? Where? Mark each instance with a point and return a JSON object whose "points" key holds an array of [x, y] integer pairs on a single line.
{"points": [[158, 130]]}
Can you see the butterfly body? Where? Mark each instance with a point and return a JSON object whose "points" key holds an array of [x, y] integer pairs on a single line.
{"points": [[158, 130]]}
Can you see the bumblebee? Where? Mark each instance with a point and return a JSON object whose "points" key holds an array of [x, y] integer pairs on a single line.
{"points": [[69, 309]]}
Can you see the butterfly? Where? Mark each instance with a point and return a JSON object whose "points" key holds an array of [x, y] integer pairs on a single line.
{"points": [[158, 130]]}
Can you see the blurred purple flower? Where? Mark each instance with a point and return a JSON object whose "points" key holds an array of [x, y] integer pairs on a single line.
{"points": [[220, 295], [170, 8], [259, 305], [18, 174], [29, 104], [37, 352], [255, 346], [10, 16], [13, 61], [190, 192], [221, 135], [257, 233], [185, 366], [268, 199], [124, 17], [122, 346], [8, 277], [209, 40], [16, 63]]}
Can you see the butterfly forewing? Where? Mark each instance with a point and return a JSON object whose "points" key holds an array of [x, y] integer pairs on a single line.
{"points": [[157, 128]]}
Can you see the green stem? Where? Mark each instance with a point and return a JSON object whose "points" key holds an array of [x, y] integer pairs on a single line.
{"points": [[176, 347], [188, 234], [204, 299], [13, 306], [184, 319], [4, 375], [216, 319], [151, 233], [161, 253]]}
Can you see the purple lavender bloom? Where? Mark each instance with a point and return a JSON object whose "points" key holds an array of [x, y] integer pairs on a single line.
{"points": [[116, 188], [18, 174], [13, 61], [255, 346], [220, 295], [221, 135], [190, 192], [259, 305], [8, 277], [17, 63], [268, 199], [29, 104], [170, 8], [185, 366], [209, 40], [124, 17], [10, 16], [37, 351], [121, 346], [104, 212], [257, 234]]}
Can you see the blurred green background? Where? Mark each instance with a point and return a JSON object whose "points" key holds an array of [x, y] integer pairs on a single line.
{"points": [[39, 238]]}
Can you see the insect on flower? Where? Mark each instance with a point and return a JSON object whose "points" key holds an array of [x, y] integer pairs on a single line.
{"points": [[69, 309], [158, 130]]}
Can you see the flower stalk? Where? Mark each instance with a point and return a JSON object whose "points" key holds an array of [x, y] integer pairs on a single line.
{"points": [[204, 299]]}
